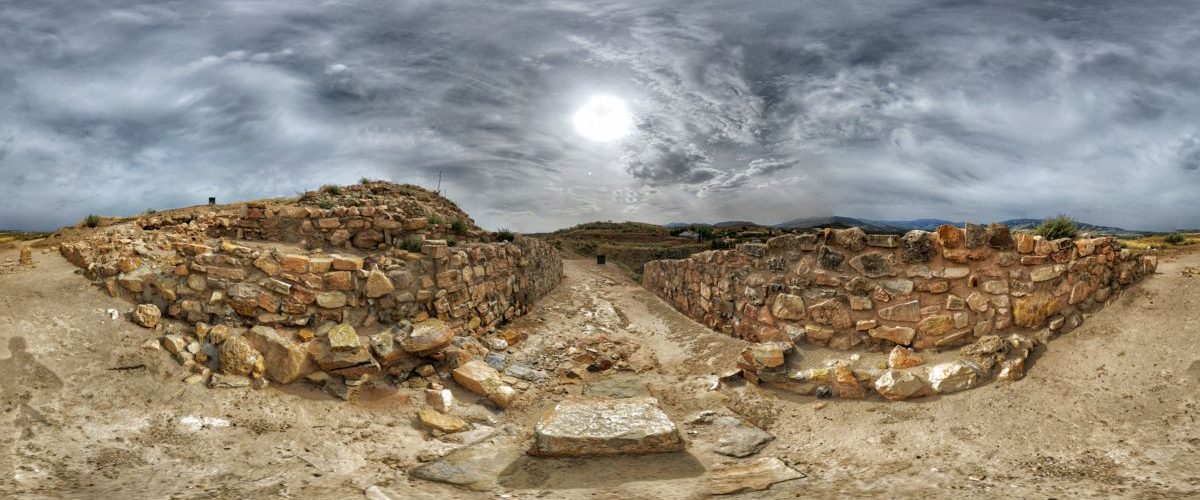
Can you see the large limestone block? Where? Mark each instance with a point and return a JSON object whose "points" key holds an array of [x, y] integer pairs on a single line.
{"points": [[427, 337], [476, 376], [899, 385], [285, 360], [953, 376], [597, 426]]}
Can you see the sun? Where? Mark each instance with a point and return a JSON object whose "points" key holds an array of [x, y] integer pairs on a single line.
{"points": [[603, 118]]}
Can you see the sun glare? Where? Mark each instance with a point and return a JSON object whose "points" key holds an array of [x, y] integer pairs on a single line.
{"points": [[603, 118]]}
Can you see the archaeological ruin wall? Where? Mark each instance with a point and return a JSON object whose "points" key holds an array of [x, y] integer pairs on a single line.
{"points": [[973, 288], [297, 280]]}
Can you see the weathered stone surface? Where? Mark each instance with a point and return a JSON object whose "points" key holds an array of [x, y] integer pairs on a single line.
{"points": [[26, 258], [830, 259], [788, 306], [977, 301], [995, 286], [903, 357], [331, 300], [899, 334], [596, 426], [917, 247], [764, 355], [147, 315], [739, 439], [1046, 273], [433, 419], [955, 303], [1012, 369], [1032, 310], [239, 357], [872, 265], [1025, 242], [441, 400], [899, 286], [344, 362], [845, 383], [950, 236], [999, 237], [908, 311], [900, 385], [883, 240], [225, 381], [475, 467], [343, 337], [853, 239], [378, 285], [975, 235], [476, 376], [759, 474], [833, 312], [285, 360], [938, 324], [953, 376], [427, 337]]}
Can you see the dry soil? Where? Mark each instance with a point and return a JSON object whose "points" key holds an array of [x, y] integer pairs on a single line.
{"points": [[1108, 410]]}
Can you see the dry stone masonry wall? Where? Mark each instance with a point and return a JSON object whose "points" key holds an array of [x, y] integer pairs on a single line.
{"points": [[990, 293], [281, 291]]}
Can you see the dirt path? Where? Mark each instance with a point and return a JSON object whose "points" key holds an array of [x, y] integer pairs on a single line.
{"points": [[1107, 411]]}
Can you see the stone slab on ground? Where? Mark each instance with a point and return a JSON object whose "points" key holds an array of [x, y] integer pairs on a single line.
{"points": [[475, 467], [597, 426], [758, 474]]}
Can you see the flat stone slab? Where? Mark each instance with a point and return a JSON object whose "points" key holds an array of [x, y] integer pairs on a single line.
{"points": [[598, 426], [754, 475], [475, 467]]}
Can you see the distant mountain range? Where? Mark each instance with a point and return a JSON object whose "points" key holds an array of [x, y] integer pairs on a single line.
{"points": [[900, 226]]}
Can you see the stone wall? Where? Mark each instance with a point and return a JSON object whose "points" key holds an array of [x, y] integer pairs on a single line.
{"points": [[473, 287], [314, 290], [847, 289]]}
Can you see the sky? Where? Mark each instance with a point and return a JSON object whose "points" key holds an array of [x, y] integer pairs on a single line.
{"points": [[753, 110]]}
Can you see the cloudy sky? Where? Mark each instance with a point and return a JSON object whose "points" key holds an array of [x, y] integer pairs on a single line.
{"points": [[764, 110]]}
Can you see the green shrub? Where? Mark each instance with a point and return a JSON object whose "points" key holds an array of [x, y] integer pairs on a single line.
{"points": [[434, 220], [412, 244], [459, 225], [452, 241], [332, 189], [1060, 226], [327, 203], [364, 181], [92, 220], [1175, 239], [504, 235]]}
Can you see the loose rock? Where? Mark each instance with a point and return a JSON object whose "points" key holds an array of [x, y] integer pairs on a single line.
{"points": [[756, 475]]}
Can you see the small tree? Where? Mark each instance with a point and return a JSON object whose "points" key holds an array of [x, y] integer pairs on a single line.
{"points": [[1060, 226], [92, 220]]}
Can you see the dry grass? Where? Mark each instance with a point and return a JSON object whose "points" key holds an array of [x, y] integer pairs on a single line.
{"points": [[1159, 241]]}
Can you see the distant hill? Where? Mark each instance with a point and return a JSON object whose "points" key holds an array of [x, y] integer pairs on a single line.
{"points": [[1083, 226]]}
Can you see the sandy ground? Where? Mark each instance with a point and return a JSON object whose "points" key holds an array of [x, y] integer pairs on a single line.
{"points": [[1109, 410]]}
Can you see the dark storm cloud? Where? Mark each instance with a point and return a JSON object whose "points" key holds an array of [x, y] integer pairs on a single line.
{"points": [[764, 111]]}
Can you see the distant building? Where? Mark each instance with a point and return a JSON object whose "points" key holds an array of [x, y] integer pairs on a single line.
{"points": [[691, 235]]}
